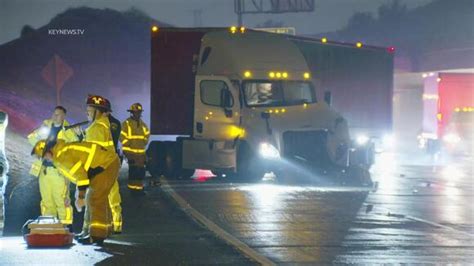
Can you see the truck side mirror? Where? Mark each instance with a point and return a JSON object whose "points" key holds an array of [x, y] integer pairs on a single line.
{"points": [[328, 97], [226, 99]]}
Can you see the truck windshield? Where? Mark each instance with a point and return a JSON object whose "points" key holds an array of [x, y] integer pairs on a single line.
{"points": [[277, 93]]}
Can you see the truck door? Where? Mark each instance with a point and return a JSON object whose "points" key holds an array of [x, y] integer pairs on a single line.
{"points": [[216, 125], [214, 117]]}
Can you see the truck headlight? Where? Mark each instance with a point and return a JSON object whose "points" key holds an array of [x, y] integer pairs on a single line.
{"points": [[269, 151], [451, 138], [362, 140]]}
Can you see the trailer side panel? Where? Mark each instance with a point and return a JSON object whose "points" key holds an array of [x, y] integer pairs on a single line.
{"points": [[173, 55]]}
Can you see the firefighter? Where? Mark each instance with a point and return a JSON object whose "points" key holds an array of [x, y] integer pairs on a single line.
{"points": [[99, 133], [90, 166], [134, 138], [54, 188], [115, 199]]}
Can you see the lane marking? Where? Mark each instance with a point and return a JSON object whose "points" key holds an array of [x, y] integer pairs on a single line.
{"points": [[438, 225], [413, 218], [221, 233]]}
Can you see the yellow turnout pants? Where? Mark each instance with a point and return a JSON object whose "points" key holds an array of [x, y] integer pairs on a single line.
{"points": [[97, 201], [54, 190], [115, 201]]}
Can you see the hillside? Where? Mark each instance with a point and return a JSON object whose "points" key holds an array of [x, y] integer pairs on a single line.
{"points": [[110, 58]]}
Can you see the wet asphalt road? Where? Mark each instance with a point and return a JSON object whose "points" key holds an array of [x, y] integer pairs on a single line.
{"points": [[419, 212], [155, 232]]}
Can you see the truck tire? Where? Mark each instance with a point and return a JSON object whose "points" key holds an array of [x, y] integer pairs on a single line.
{"points": [[357, 176], [173, 161], [247, 167], [155, 158], [170, 161]]}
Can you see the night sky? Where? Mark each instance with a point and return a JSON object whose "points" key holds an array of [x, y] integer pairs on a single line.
{"points": [[329, 15]]}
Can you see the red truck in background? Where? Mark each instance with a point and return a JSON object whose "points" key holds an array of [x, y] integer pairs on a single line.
{"points": [[448, 112]]}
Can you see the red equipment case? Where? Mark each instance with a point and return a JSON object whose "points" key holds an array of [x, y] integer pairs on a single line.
{"points": [[46, 231]]}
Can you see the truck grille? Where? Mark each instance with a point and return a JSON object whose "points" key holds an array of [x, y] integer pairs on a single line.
{"points": [[306, 146]]}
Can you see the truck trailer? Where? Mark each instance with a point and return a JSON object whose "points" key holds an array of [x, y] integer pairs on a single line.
{"points": [[241, 102], [359, 78]]}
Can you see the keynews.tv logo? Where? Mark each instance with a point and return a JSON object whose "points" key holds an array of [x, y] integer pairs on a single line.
{"points": [[66, 31]]}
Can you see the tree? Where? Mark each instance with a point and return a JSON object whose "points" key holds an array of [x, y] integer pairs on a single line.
{"points": [[392, 13]]}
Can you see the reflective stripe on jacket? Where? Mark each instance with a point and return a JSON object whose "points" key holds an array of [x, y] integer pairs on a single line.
{"points": [[42, 133], [99, 132], [134, 136], [74, 160]]}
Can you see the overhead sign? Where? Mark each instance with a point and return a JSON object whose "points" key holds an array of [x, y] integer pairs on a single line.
{"points": [[280, 30], [272, 6]]}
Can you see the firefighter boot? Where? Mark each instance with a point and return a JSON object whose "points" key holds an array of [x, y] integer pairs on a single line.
{"points": [[89, 240]]}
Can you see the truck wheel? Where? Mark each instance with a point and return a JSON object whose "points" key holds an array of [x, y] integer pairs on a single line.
{"points": [[247, 166], [173, 162], [156, 154], [357, 176]]}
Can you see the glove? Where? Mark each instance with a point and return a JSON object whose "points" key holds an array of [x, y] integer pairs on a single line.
{"points": [[94, 171], [67, 202], [80, 203], [80, 200]]}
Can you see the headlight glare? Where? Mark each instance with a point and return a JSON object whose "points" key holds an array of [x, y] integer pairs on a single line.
{"points": [[269, 151], [362, 140], [388, 140], [451, 138]]}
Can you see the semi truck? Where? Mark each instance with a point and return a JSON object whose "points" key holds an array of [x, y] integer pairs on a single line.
{"points": [[245, 102], [448, 112]]}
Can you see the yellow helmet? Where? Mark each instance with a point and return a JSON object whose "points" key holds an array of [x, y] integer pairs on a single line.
{"points": [[38, 149], [136, 107]]}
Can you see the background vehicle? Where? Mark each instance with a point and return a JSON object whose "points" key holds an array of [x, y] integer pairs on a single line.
{"points": [[448, 105]]}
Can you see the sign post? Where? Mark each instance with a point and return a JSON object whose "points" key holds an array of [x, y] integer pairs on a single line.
{"points": [[56, 73]]}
